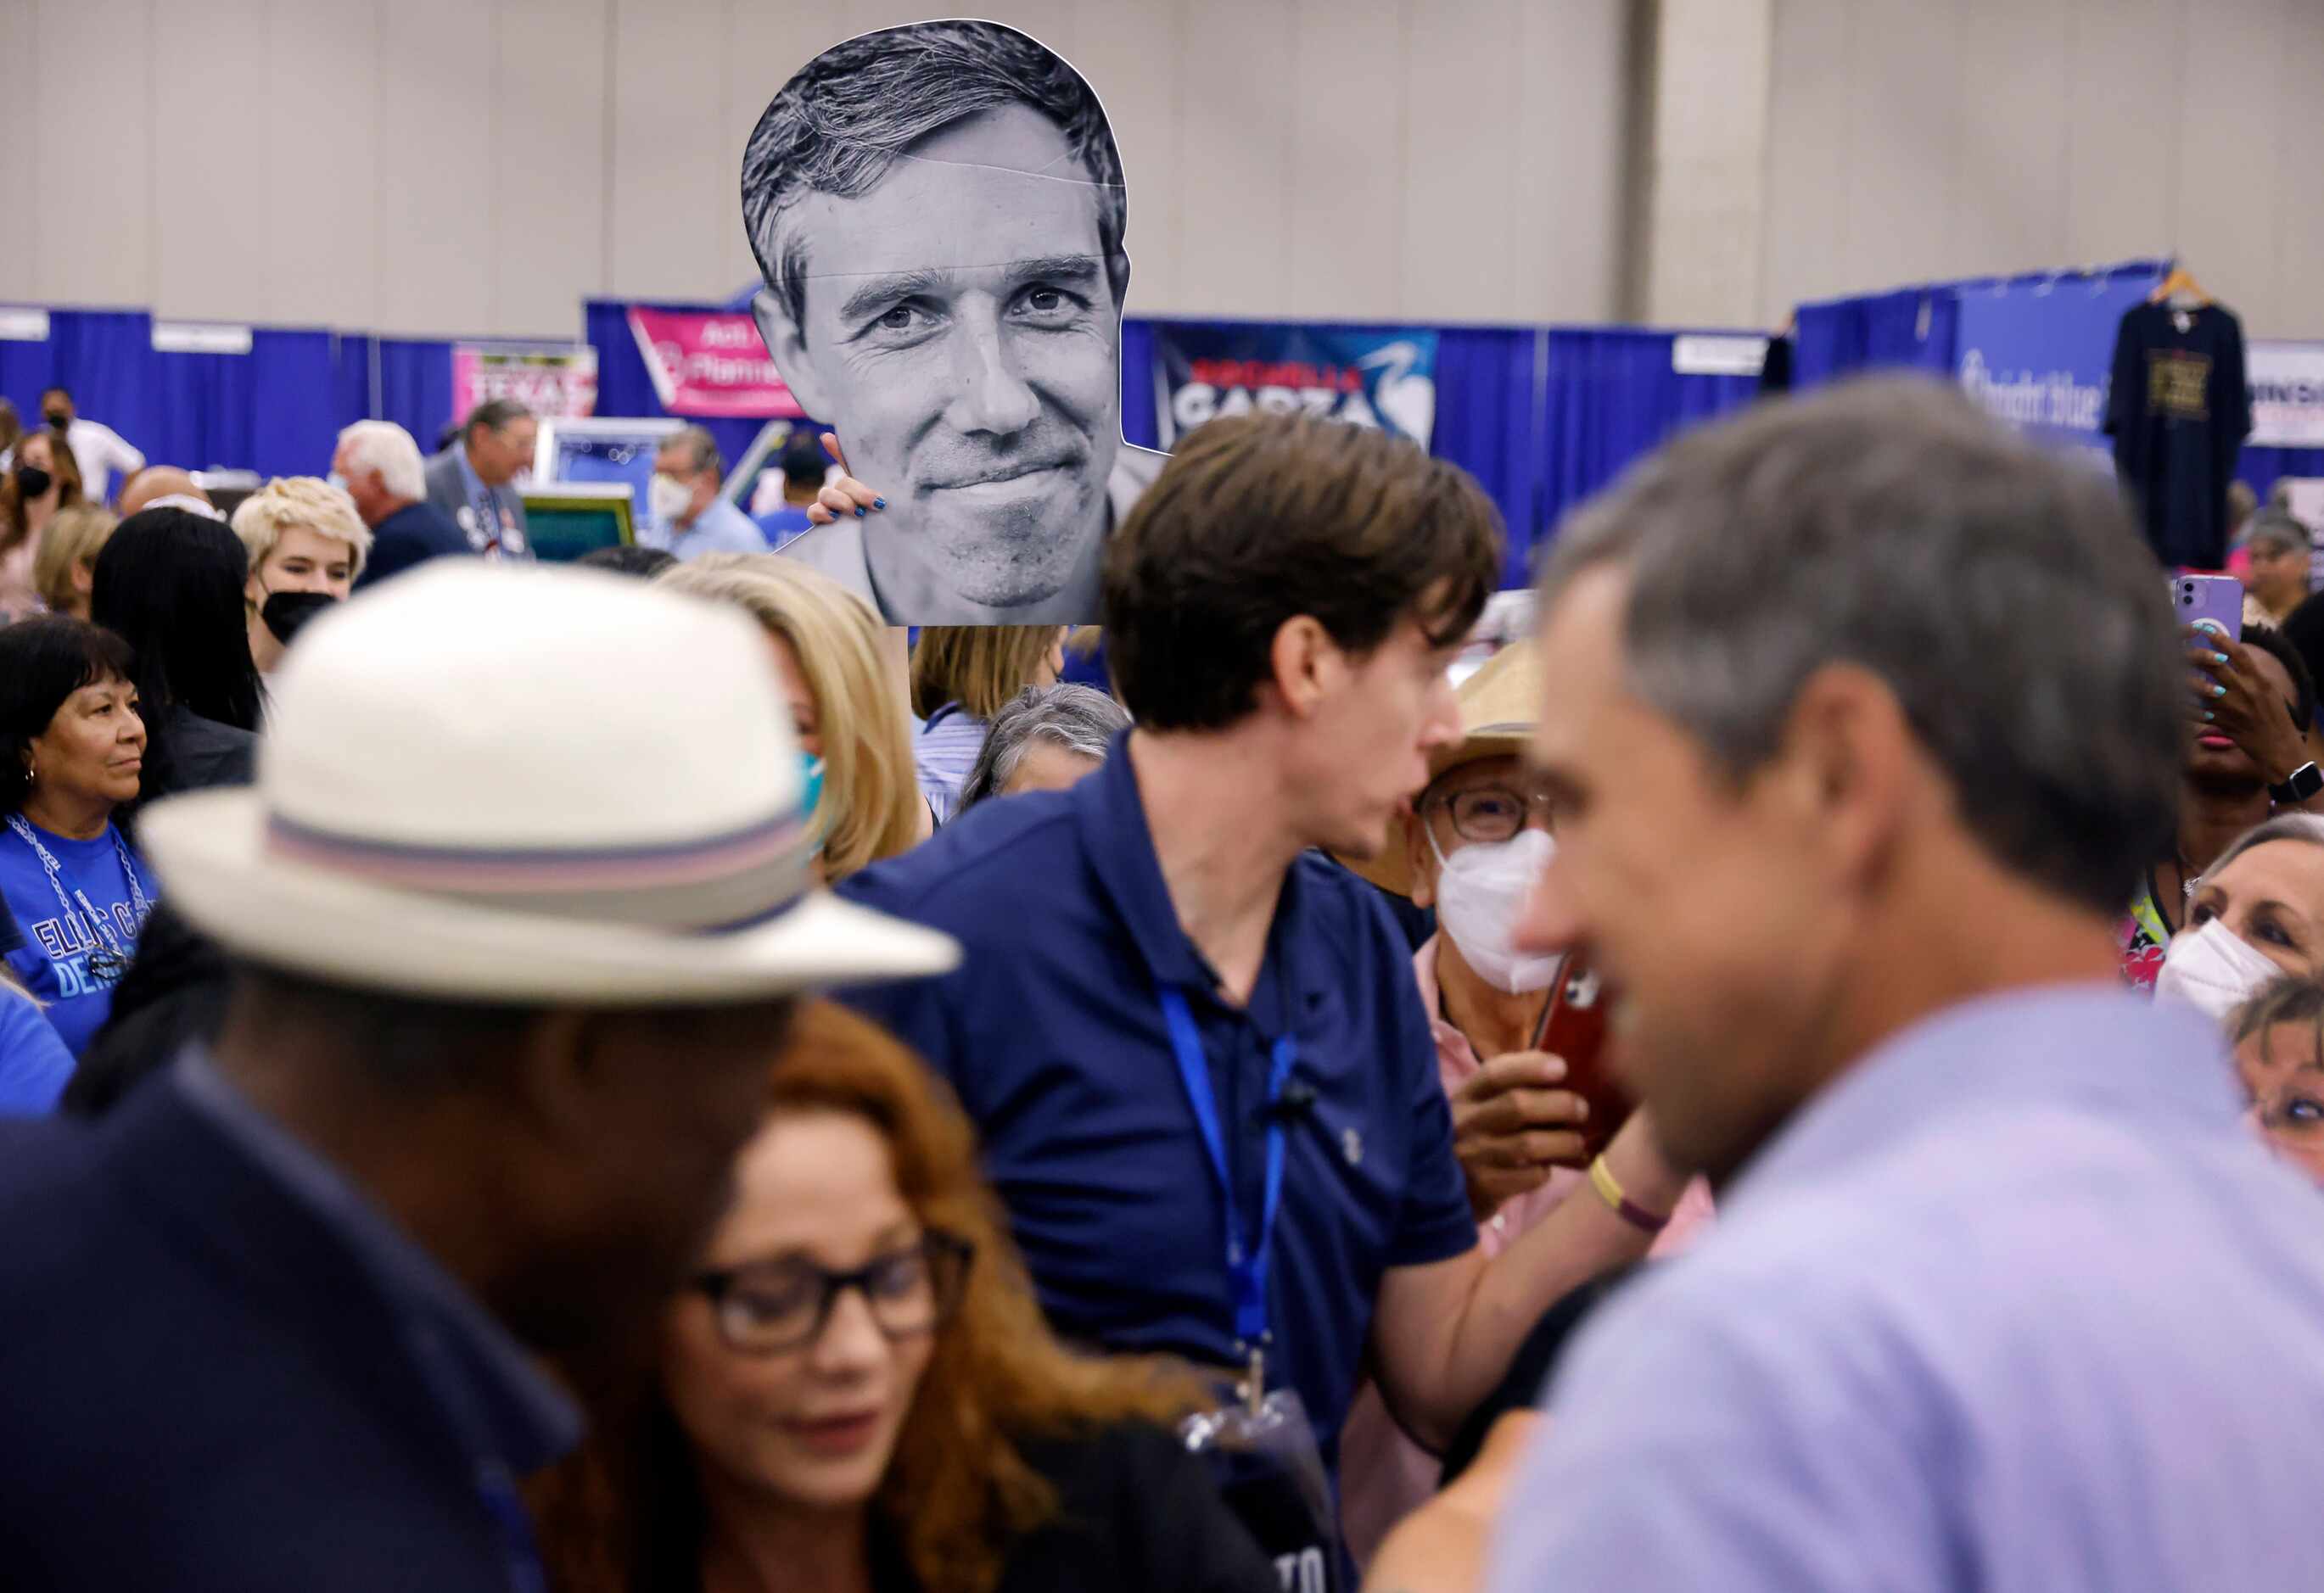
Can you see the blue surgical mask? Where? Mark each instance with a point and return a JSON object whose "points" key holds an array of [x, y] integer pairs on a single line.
{"points": [[811, 792]]}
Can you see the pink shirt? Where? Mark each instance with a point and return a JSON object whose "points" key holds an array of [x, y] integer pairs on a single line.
{"points": [[1384, 1475]]}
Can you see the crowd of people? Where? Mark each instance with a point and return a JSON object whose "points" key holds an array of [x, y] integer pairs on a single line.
{"points": [[1806, 1073]]}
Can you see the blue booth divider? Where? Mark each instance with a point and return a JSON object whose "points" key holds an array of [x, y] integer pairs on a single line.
{"points": [[1543, 416], [1916, 329]]}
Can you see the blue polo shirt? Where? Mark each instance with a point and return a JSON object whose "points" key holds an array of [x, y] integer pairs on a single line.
{"points": [[1051, 1034]]}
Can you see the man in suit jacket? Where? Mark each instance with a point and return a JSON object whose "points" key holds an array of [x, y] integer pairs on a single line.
{"points": [[380, 465], [270, 1321], [473, 480]]}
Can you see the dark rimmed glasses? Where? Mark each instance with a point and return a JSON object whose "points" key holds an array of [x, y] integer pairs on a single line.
{"points": [[1490, 814], [769, 1307]]}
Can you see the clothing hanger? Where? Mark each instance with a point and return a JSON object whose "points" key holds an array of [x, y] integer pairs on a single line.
{"points": [[2181, 290]]}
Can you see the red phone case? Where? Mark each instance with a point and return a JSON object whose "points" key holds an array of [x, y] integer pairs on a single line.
{"points": [[1574, 1028]]}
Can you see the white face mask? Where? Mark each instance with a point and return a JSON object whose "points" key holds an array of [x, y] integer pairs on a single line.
{"points": [[2214, 969], [1480, 891], [668, 499]]}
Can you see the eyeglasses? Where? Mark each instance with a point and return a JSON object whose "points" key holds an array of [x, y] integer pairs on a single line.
{"points": [[1488, 814], [769, 1307]]}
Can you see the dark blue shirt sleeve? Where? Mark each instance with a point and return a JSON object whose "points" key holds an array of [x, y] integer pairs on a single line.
{"points": [[913, 1011], [33, 1062]]}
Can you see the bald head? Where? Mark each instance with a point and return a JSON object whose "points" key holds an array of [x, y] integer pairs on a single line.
{"points": [[156, 481]]}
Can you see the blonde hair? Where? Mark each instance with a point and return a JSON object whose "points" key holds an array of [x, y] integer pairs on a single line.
{"points": [[872, 798], [980, 666], [73, 539], [300, 502], [10, 985]]}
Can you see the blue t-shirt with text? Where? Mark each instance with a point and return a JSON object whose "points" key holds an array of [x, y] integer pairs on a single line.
{"points": [[53, 961]]}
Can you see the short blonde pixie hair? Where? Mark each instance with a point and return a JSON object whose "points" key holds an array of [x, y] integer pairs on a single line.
{"points": [[872, 804], [300, 502], [75, 537]]}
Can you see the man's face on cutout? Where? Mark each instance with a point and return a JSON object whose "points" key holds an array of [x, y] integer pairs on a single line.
{"points": [[960, 333]]}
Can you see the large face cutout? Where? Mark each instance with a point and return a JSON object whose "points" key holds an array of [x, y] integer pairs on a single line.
{"points": [[938, 212]]}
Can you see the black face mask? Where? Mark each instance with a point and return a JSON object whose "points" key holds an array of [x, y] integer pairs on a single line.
{"points": [[57, 418], [33, 481], [283, 613]]}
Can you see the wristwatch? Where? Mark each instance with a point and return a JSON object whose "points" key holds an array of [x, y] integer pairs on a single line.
{"points": [[2305, 782]]}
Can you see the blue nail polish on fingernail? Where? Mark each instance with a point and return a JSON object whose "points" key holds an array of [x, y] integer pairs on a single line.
{"points": [[2207, 713], [2219, 691], [2218, 657], [859, 511], [882, 503]]}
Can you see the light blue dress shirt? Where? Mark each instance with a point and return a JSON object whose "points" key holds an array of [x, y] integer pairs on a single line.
{"points": [[720, 529], [944, 754], [2020, 1303]]}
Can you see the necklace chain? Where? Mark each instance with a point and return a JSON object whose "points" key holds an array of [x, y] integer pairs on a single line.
{"points": [[94, 923]]}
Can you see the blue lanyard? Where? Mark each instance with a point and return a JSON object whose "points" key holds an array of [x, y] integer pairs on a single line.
{"points": [[1246, 1262]]}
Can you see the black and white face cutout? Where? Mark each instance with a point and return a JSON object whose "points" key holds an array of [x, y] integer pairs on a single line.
{"points": [[938, 212]]}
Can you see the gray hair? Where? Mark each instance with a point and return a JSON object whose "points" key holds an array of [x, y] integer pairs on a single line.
{"points": [[701, 449], [850, 114], [2000, 592], [492, 415], [1076, 718], [2289, 826], [386, 447], [2279, 530]]}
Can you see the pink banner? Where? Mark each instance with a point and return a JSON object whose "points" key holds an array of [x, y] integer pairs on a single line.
{"points": [[556, 384], [711, 363]]}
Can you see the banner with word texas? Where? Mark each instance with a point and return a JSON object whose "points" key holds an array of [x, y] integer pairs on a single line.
{"points": [[711, 363], [559, 382], [2038, 354], [1384, 377]]}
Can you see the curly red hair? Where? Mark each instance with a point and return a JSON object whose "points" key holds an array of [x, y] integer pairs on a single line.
{"points": [[626, 1512]]}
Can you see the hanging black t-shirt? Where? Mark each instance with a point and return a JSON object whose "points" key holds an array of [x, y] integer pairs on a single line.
{"points": [[2178, 411]]}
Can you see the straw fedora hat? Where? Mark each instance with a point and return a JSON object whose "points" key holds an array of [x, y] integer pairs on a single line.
{"points": [[532, 785], [1500, 704]]}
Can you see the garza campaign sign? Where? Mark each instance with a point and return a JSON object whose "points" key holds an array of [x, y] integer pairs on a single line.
{"points": [[557, 383], [2038, 354], [2287, 394], [711, 363], [1378, 376]]}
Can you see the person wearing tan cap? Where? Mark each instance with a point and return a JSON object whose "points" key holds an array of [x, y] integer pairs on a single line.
{"points": [[1472, 846]]}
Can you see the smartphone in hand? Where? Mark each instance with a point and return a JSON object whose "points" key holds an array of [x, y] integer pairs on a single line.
{"points": [[2217, 598], [1573, 1028]]}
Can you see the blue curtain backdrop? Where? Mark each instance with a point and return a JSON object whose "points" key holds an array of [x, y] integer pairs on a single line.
{"points": [[1611, 396], [1911, 328], [1139, 423], [1543, 416], [104, 356], [1489, 423], [409, 381]]}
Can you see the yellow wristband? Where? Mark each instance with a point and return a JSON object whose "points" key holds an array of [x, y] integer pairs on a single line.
{"points": [[1609, 1190]]}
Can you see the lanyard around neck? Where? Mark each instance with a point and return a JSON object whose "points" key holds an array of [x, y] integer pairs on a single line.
{"points": [[1247, 1258], [95, 923]]}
